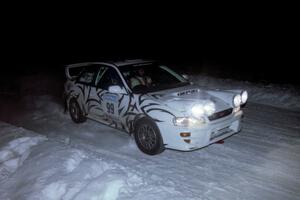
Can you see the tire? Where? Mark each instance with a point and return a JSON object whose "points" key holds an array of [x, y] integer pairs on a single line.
{"points": [[76, 112], [148, 138]]}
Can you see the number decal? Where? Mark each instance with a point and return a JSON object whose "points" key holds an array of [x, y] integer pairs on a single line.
{"points": [[110, 108]]}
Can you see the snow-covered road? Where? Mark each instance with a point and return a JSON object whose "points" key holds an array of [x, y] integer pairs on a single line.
{"points": [[260, 162]]}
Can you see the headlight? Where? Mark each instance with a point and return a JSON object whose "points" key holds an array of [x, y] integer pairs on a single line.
{"points": [[188, 121], [209, 108], [237, 100], [199, 110], [244, 96]]}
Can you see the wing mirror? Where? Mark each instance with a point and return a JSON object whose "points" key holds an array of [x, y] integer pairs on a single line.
{"points": [[116, 89], [185, 76]]}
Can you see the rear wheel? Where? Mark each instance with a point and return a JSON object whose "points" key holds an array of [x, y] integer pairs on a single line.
{"points": [[76, 112], [148, 138]]}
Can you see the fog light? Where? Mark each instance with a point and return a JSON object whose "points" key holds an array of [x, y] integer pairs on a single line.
{"points": [[185, 134], [187, 141]]}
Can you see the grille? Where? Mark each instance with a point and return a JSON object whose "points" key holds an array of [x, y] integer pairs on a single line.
{"points": [[220, 114]]}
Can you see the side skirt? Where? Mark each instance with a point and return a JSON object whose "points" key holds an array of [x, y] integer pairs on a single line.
{"points": [[106, 122]]}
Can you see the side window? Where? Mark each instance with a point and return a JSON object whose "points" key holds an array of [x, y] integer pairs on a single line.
{"points": [[88, 75], [110, 77]]}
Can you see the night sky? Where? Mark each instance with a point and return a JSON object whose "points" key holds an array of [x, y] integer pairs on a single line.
{"points": [[232, 47]]}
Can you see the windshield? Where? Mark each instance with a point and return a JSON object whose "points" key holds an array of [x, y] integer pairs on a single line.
{"points": [[151, 77]]}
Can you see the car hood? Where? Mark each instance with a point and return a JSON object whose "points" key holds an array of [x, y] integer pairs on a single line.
{"points": [[184, 98]]}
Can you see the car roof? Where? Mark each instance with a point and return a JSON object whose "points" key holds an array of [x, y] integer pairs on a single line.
{"points": [[132, 62], [117, 64]]}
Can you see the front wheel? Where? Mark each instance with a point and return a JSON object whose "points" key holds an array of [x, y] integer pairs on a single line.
{"points": [[148, 138]]}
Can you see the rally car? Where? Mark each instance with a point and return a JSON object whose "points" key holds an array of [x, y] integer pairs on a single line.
{"points": [[159, 107]]}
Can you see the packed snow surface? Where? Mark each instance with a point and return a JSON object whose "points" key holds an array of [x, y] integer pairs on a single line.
{"points": [[51, 157]]}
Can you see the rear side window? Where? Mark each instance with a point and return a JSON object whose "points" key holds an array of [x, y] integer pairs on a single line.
{"points": [[88, 75], [76, 71]]}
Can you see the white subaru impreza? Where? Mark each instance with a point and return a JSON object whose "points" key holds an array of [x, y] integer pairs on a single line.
{"points": [[161, 108]]}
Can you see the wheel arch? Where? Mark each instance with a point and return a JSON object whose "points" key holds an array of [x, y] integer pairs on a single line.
{"points": [[138, 118], [75, 98], [135, 121], [159, 145]]}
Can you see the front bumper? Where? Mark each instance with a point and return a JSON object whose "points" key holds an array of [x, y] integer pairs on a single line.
{"points": [[200, 137]]}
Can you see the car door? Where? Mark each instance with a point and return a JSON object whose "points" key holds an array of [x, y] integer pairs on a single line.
{"points": [[85, 85], [94, 103], [110, 100]]}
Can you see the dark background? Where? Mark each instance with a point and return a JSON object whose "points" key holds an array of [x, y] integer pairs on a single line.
{"points": [[253, 45]]}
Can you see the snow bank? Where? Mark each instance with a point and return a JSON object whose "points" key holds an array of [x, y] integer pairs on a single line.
{"points": [[285, 96], [54, 170], [43, 104], [16, 145], [40, 84]]}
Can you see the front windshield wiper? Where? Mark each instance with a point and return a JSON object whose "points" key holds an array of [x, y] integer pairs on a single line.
{"points": [[180, 84], [170, 86], [161, 87]]}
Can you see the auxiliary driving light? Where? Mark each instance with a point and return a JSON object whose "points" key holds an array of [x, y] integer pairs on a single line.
{"points": [[244, 96], [237, 100]]}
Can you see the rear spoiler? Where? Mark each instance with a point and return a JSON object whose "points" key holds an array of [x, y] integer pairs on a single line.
{"points": [[73, 70]]}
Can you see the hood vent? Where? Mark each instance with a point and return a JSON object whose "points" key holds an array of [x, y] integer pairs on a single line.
{"points": [[187, 92]]}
